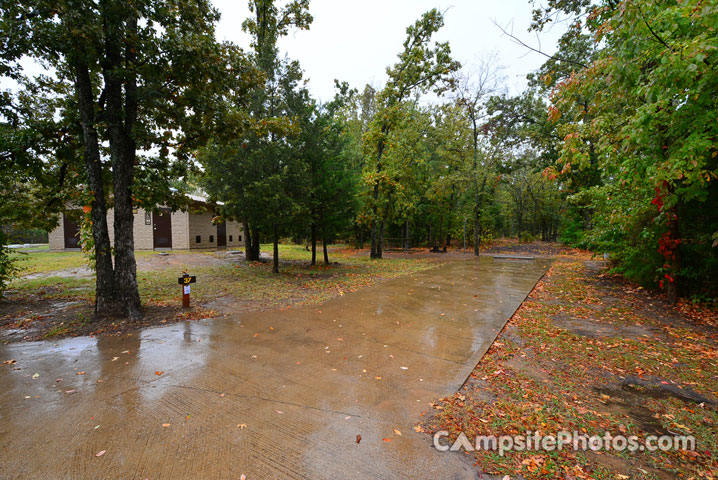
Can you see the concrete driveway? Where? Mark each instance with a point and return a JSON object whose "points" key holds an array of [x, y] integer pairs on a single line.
{"points": [[277, 394]]}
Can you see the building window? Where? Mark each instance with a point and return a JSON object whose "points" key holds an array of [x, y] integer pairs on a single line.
{"points": [[239, 238], [148, 218], [211, 239], [230, 238], [198, 239]]}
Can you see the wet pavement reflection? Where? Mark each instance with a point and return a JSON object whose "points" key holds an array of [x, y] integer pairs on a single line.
{"points": [[276, 394]]}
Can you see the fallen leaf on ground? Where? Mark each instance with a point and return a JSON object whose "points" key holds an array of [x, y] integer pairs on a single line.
{"points": [[37, 375], [70, 391], [387, 439], [100, 453], [10, 362], [80, 373], [159, 372], [115, 358], [241, 425], [166, 425], [279, 411], [397, 432], [358, 438]]}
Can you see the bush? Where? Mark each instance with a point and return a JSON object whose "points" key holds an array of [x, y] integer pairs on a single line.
{"points": [[527, 237], [8, 266]]}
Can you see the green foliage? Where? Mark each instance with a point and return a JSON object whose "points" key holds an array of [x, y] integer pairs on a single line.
{"points": [[648, 122], [422, 66], [8, 267]]}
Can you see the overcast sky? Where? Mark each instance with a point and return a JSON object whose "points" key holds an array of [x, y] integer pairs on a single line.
{"points": [[355, 40]]}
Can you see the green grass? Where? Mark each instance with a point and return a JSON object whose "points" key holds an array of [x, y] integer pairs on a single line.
{"points": [[41, 262], [45, 247], [297, 283]]}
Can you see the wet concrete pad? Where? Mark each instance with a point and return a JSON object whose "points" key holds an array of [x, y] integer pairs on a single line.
{"points": [[278, 394]]}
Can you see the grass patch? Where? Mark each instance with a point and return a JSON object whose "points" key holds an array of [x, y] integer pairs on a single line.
{"points": [[224, 282], [41, 262]]}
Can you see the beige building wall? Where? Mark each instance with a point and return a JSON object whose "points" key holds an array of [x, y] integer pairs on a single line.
{"points": [[235, 234], [185, 229], [57, 237], [180, 230], [201, 228], [141, 231]]}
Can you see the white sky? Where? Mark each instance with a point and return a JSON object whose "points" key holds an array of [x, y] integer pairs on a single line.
{"points": [[355, 40]]}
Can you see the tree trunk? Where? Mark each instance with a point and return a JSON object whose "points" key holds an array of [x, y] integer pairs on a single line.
{"points": [[314, 244], [255, 244], [374, 239], [122, 153], [477, 235], [377, 234], [105, 302], [380, 243], [248, 250], [275, 239], [406, 234], [326, 253]]}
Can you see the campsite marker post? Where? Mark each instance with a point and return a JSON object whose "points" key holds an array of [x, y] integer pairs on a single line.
{"points": [[185, 280]]}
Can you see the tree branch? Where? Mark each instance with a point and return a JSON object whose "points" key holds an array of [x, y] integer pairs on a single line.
{"points": [[523, 44]]}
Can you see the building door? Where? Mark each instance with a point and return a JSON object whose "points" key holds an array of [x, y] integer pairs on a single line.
{"points": [[72, 232], [222, 234], [162, 228]]}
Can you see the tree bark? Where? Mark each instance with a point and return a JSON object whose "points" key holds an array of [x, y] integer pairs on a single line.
{"points": [[314, 244], [251, 242], [406, 234], [122, 153], [326, 253], [248, 251], [255, 244], [380, 240], [105, 302], [377, 232], [275, 240]]}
